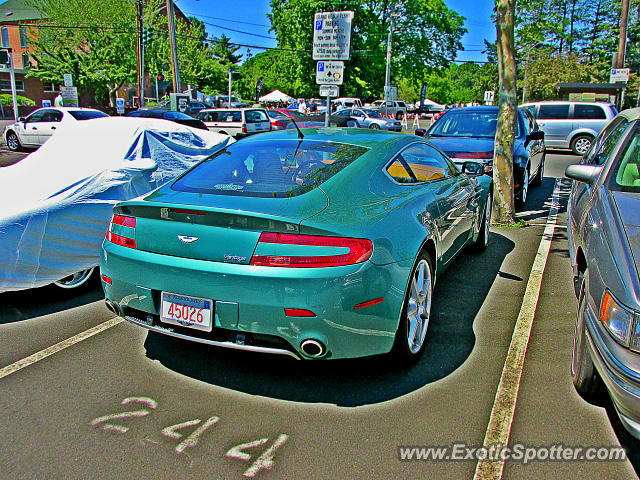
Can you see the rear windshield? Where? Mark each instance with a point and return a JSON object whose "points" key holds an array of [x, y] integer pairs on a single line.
{"points": [[255, 116], [171, 115], [281, 168], [221, 116], [86, 115]]}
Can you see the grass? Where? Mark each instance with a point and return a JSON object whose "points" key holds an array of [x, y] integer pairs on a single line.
{"points": [[520, 223]]}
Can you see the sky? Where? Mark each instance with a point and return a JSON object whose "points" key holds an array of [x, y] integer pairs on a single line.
{"points": [[233, 17]]}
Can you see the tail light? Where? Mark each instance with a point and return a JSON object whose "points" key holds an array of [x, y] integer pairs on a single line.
{"points": [[244, 128], [122, 231], [472, 155], [284, 250], [617, 318], [278, 123]]}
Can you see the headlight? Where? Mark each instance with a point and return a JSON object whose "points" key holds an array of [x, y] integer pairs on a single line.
{"points": [[617, 319]]}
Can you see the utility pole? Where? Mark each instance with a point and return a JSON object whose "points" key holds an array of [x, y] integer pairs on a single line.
{"points": [[140, 54], [622, 43], [387, 75], [175, 71]]}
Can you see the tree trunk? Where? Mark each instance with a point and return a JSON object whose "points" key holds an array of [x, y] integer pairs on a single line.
{"points": [[503, 202]]}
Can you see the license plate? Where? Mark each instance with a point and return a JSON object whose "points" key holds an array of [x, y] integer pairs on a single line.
{"points": [[192, 312]]}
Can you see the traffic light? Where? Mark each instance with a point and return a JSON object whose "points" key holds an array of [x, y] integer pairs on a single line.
{"points": [[160, 77], [4, 57], [147, 35]]}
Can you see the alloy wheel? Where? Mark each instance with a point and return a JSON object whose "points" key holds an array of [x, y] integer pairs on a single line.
{"points": [[419, 305]]}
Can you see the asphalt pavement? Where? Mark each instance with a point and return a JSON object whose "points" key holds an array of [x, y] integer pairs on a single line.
{"points": [[121, 402]]}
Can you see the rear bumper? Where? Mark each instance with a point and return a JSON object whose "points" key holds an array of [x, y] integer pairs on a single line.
{"points": [[250, 301]]}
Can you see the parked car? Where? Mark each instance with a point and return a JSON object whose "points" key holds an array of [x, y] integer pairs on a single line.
{"points": [[166, 114], [279, 120], [367, 118], [291, 246], [346, 102], [604, 247], [468, 133], [55, 204], [569, 124], [237, 122], [40, 125], [394, 108]]}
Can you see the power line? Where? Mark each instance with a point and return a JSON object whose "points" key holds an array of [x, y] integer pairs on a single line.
{"points": [[197, 15]]}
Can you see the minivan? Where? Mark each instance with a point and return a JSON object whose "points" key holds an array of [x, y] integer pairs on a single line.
{"points": [[236, 122], [569, 124]]}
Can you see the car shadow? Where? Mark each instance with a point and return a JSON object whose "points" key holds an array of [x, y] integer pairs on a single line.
{"points": [[36, 302], [627, 441], [449, 342]]}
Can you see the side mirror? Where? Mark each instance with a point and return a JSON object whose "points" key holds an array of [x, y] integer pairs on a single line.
{"points": [[472, 168], [421, 132], [583, 173], [22, 119], [533, 136]]}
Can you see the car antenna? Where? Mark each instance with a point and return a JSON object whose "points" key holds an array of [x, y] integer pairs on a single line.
{"points": [[300, 135]]}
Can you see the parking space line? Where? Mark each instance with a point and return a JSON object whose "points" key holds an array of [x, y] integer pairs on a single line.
{"points": [[504, 405], [36, 357]]}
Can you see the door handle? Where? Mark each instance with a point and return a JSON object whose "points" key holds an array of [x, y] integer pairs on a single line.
{"points": [[53, 128], [34, 128]]}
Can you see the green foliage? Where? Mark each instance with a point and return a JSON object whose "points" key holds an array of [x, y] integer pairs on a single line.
{"points": [[426, 34], [461, 83], [6, 99], [224, 51]]}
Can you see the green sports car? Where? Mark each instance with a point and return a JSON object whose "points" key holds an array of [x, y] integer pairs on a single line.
{"points": [[317, 244]]}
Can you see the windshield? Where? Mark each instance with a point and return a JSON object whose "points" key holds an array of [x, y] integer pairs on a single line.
{"points": [[460, 123], [372, 113], [86, 114], [282, 168], [176, 116]]}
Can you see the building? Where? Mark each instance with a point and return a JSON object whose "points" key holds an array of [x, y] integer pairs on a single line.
{"points": [[14, 14]]}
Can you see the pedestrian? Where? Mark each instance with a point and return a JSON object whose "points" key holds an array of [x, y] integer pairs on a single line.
{"points": [[58, 101], [302, 107], [313, 108]]}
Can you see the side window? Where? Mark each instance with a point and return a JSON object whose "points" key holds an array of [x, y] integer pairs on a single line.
{"points": [[399, 173], [604, 144], [35, 117], [589, 112], [51, 116], [554, 111], [426, 162]]}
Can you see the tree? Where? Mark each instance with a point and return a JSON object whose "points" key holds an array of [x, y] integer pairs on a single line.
{"points": [[426, 35], [224, 51], [503, 178]]}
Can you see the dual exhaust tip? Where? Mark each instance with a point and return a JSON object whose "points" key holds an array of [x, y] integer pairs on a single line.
{"points": [[313, 348], [113, 307]]}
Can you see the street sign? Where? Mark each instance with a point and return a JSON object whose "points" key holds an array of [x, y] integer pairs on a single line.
{"points": [[488, 96], [68, 80], [390, 93], [332, 35], [329, 73], [69, 96], [329, 91], [46, 103], [619, 75], [120, 105]]}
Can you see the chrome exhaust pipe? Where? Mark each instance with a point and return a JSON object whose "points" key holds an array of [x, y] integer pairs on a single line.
{"points": [[312, 348], [113, 307]]}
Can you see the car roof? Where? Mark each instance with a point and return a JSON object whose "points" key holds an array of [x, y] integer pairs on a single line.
{"points": [[579, 102], [362, 137]]}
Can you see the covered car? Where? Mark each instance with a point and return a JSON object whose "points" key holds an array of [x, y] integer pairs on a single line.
{"points": [[55, 204]]}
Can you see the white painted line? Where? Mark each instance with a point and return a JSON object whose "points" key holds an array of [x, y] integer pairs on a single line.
{"points": [[504, 405], [42, 354]]}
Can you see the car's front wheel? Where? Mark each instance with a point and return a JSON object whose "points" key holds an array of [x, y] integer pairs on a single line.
{"points": [[583, 373], [482, 242], [521, 199], [13, 142], [414, 320], [374, 126]]}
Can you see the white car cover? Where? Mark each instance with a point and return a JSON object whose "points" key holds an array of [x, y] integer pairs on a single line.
{"points": [[55, 204]]}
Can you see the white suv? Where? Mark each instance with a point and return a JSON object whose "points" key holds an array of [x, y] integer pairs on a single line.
{"points": [[236, 122], [568, 124]]}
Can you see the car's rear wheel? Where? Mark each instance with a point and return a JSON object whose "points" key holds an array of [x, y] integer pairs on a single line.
{"points": [[416, 311], [75, 280], [13, 142], [581, 144], [399, 115], [583, 373], [374, 126]]}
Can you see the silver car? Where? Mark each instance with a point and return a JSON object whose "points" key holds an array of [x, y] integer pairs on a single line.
{"points": [[604, 247], [370, 119], [568, 124]]}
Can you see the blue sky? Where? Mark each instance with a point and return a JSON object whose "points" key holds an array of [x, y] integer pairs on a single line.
{"points": [[232, 17]]}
